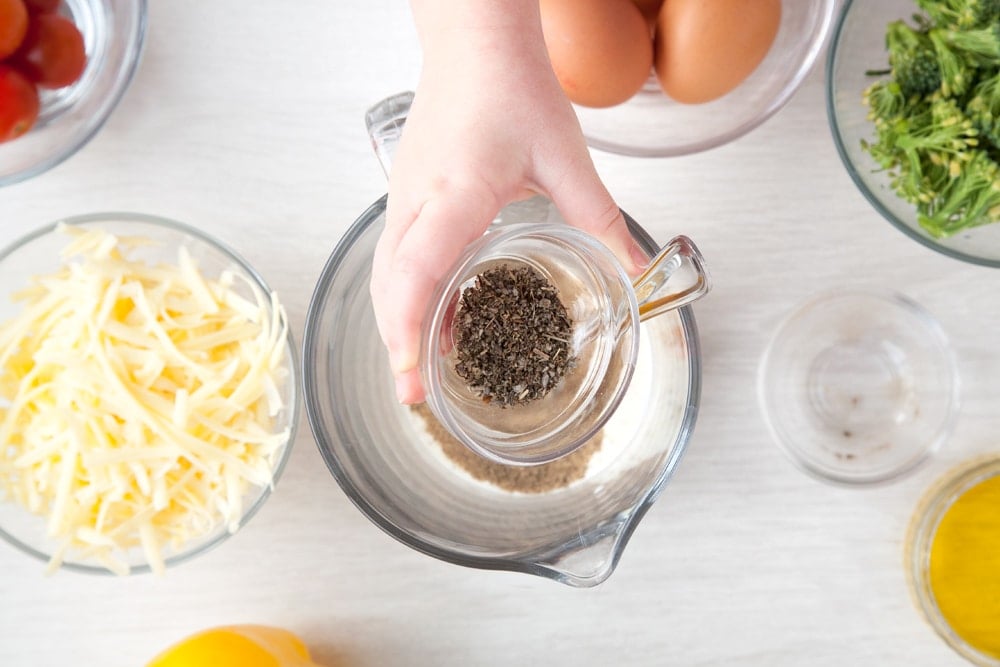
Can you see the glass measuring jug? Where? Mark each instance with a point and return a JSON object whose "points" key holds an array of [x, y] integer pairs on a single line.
{"points": [[380, 455]]}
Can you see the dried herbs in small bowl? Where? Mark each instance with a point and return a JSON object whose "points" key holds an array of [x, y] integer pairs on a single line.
{"points": [[530, 342], [512, 336]]}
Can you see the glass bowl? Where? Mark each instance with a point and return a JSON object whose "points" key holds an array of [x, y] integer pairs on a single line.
{"points": [[599, 301], [652, 125], [932, 508], [113, 33], [859, 386], [858, 45], [39, 253], [379, 453]]}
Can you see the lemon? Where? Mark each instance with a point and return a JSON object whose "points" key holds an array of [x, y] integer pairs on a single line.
{"points": [[237, 646]]}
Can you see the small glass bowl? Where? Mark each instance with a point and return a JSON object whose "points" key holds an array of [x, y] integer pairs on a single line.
{"points": [[600, 303], [858, 45], [920, 538], [652, 125], [859, 386], [113, 34], [38, 253]]}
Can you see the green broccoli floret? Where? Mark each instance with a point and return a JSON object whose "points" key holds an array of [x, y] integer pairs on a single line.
{"points": [[940, 128], [886, 101], [913, 60], [979, 47], [983, 12], [927, 144], [983, 109], [957, 71], [968, 197], [930, 148], [961, 14]]}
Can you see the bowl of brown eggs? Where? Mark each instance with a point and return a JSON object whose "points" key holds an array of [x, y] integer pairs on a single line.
{"points": [[660, 78]]}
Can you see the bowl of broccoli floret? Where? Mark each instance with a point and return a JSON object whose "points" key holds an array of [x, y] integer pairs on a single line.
{"points": [[913, 99]]}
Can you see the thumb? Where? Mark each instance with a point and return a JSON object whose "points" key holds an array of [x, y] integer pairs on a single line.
{"points": [[426, 251], [586, 204]]}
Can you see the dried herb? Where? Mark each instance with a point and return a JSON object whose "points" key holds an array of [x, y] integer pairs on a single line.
{"points": [[512, 336]]}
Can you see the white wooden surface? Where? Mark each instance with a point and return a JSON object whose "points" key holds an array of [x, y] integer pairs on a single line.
{"points": [[246, 120]]}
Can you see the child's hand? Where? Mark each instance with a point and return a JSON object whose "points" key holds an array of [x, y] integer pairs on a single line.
{"points": [[489, 125]]}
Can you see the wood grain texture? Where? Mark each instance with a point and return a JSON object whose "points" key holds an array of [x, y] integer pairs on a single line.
{"points": [[247, 122]]}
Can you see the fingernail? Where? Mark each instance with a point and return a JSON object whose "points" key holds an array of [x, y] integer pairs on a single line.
{"points": [[402, 362], [638, 256]]}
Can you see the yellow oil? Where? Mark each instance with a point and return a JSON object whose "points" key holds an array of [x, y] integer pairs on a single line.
{"points": [[965, 566]]}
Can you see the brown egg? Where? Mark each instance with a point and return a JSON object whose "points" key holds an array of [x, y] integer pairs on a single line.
{"points": [[600, 49], [705, 48]]}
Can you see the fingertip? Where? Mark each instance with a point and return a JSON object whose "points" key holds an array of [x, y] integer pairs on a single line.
{"points": [[619, 240], [402, 359], [409, 389], [588, 205], [640, 260]]}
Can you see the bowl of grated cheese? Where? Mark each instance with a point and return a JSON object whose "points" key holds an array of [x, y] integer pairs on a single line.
{"points": [[148, 393]]}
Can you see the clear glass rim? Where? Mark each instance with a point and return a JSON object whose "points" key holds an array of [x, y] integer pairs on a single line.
{"points": [[854, 172], [936, 501], [932, 327], [291, 349], [524, 564], [97, 122], [775, 105]]}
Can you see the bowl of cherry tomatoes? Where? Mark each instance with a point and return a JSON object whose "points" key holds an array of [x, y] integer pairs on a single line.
{"points": [[64, 65]]}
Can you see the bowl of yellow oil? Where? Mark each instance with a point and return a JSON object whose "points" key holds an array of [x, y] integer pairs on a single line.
{"points": [[953, 559]]}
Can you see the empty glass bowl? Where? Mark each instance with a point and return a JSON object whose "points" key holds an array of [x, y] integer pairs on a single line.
{"points": [[380, 454], [859, 386], [858, 46], [113, 33], [39, 253], [652, 125]]}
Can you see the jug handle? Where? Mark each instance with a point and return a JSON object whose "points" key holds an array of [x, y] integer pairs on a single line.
{"points": [[676, 277], [384, 122]]}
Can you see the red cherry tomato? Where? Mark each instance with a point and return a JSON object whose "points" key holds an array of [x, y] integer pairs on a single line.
{"points": [[18, 103], [13, 25], [52, 54], [42, 6]]}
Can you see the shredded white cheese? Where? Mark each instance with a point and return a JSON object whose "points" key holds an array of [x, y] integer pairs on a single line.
{"points": [[137, 401]]}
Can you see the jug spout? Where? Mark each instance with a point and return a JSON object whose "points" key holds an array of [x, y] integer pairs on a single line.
{"points": [[588, 559], [384, 122]]}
